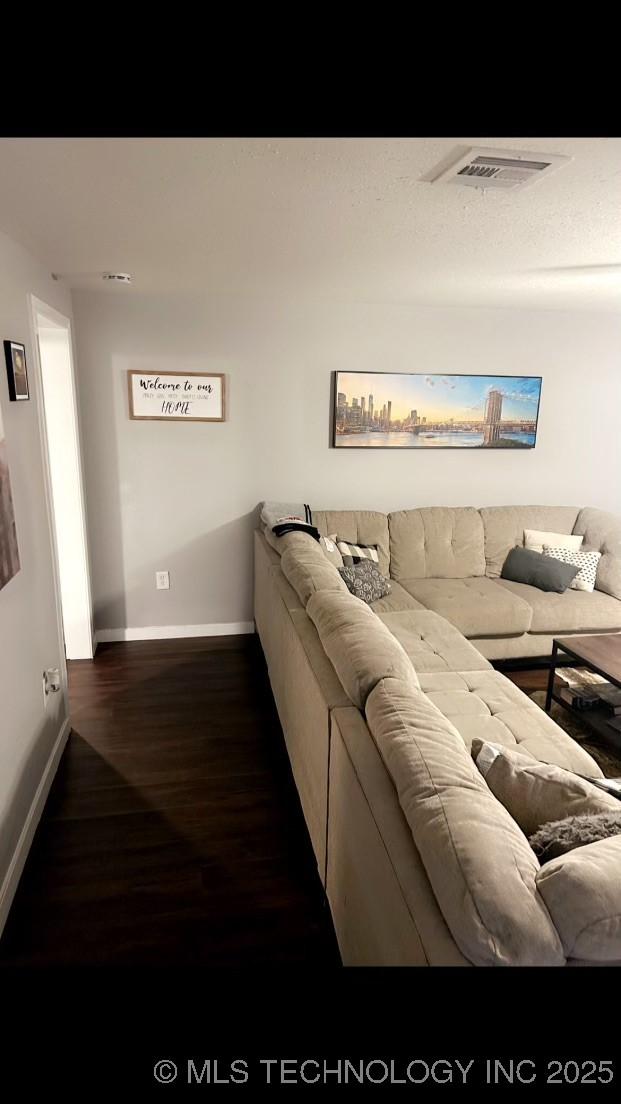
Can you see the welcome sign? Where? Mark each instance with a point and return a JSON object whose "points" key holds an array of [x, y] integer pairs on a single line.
{"points": [[176, 396]]}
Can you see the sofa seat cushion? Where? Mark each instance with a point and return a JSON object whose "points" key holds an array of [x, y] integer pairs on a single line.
{"points": [[582, 890], [478, 861], [486, 705], [572, 611], [397, 600], [477, 607], [360, 647], [432, 643]]}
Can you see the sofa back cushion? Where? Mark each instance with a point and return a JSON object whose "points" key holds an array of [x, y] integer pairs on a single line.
{"points": [[582, 890], [504, 528], [362, 650], [478, 861], [602, 533], [306, 566], [357, 527], [436, 542]]}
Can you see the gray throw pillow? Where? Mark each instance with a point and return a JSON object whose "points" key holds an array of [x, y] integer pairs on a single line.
{"points": [[560, 836], [366, 581], [522, 565]]}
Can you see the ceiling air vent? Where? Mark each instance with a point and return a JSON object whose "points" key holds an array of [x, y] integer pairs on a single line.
{"points": [[500, 169], [117, 277]]}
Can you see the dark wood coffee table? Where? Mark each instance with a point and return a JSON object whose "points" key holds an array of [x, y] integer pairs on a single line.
{"points": [[601, 654]]}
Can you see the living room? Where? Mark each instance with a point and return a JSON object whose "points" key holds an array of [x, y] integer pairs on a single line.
{"points": [[353, 318]]}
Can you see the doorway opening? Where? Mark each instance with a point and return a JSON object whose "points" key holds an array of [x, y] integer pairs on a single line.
{"points": [[62, 459]]}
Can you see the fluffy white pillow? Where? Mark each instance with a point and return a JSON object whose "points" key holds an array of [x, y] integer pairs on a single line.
{"points": [[536, 538], [586, 561]]}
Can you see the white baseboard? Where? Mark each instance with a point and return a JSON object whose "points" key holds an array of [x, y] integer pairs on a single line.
{"points": [[173, 632], [14, 872]]}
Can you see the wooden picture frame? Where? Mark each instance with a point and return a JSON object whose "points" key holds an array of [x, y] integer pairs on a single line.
{"points": [[176, 396], [17, 371]]}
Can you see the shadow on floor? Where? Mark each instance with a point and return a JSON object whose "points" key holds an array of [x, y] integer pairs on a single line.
{"points": [[173, 833]]}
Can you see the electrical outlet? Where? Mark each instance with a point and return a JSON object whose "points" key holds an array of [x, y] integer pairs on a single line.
{"points": [[51, 682], [162, 580]]}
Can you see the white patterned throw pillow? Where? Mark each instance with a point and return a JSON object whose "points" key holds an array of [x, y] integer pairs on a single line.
{"points": [[586, 561]]}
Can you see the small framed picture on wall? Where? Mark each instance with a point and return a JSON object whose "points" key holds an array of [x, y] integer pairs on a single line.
{"points": [[17, 371]]}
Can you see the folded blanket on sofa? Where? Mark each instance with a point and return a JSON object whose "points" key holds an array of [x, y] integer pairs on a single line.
{"points": [[287, 517]]}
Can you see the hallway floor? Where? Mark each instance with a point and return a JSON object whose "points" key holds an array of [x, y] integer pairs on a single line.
{"points": [[173, 833]]}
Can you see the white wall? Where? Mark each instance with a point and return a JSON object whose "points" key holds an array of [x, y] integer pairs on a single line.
{"points": [[29, 637], [181, 496]]}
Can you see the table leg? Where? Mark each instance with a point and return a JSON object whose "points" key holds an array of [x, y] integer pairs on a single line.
{"points": [[551, 675]]}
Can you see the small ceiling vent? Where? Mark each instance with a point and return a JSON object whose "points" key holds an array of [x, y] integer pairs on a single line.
{"points": [[500, 169]]}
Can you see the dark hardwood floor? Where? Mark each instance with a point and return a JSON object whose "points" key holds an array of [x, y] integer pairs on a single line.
{"points": [[528, 681], [173, 833]]}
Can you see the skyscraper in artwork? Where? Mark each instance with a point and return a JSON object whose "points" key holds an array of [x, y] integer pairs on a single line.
{"points": [[493, 414]]}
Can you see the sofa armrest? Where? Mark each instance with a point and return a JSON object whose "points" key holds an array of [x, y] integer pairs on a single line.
{"points": [[383, 907], [602, 532]]}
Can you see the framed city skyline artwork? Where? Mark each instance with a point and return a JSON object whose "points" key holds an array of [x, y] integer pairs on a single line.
{"points": [[425, 410]]}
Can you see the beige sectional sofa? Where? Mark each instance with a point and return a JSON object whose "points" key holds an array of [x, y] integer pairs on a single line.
{"points": [[449, 560], [376, 701]]}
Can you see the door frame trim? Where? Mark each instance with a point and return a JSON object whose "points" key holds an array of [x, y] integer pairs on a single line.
{"points": [[38, 310]]}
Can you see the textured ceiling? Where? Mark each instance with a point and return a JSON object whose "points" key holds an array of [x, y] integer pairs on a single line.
{"points": [[333, 218]]}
